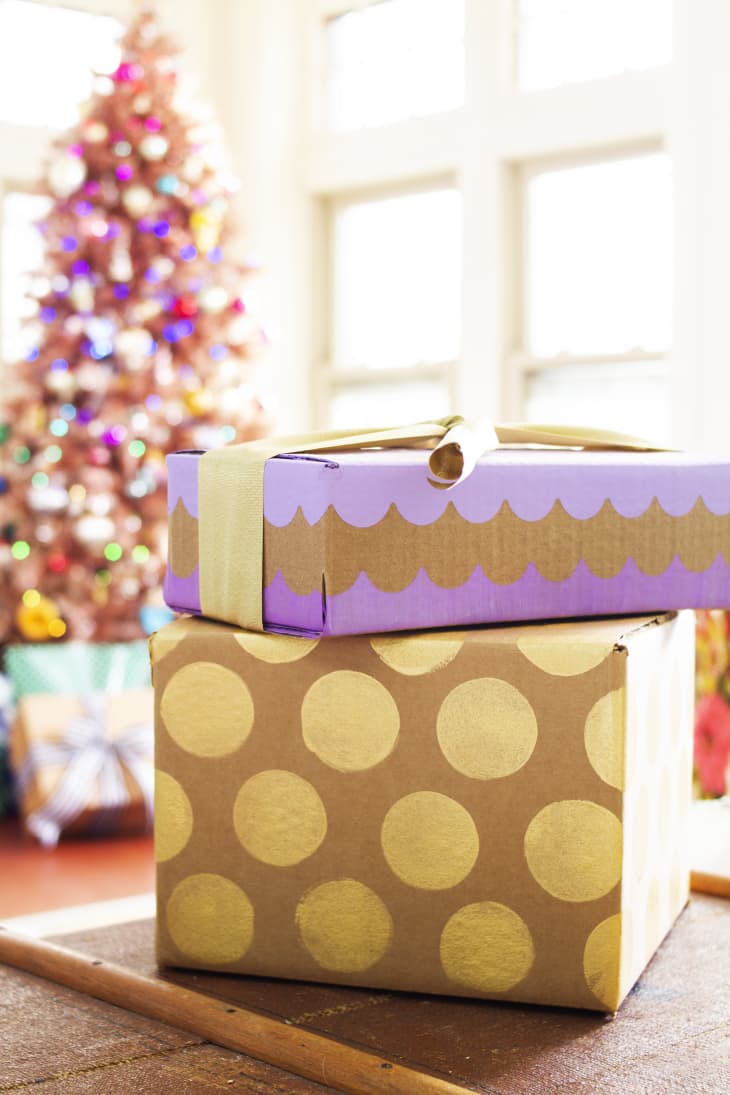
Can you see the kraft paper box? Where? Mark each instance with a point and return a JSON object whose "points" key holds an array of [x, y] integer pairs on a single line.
{"points": [[493, 812], [360, 542]]}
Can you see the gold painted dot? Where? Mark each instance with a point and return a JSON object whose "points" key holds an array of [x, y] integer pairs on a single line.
{"points": [[430, 841], [173, 817], [350, 721], [344, 925], [573, 850], [168, 637], [279, 818], [604, 737], [486, 728], [486, 946], [275, 649], [207, 709], [210, 919], [562, 659], [416, 655], [602, 961]]}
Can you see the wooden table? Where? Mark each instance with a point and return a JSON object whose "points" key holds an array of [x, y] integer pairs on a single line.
{"points": [[672, 1034]]}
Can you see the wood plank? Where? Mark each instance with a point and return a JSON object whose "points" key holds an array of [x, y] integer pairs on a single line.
{"points": [[344, 1067], [671, 1035]]}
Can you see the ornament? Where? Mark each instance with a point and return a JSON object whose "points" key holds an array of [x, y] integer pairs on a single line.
{"points": [[95, 132], [167, 184], [132, 345], [66, 174], [128, 72], [38, 618], [141, 103], [57, 562], [81, 295], [213, 299], [123, 172], [92, 531], [153, 147], [48, 499], [206, 224], [137, 200], [185, 306], [193, 168]]}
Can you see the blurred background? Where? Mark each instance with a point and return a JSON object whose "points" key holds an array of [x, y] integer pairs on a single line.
{"points": [[518, 206]]}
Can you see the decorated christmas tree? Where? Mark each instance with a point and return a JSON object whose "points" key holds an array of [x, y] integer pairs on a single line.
{"points": [[144, 344]]}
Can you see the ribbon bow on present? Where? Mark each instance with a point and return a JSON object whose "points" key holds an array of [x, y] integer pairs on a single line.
{"points": [[88, 755], [231, 489]]}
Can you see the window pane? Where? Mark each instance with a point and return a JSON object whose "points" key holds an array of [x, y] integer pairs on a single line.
{"points": [[599, 258], [388, 404], [393, 60], [46, 58], [397, 281], [631, 398], [21, 252], [564, 41]]}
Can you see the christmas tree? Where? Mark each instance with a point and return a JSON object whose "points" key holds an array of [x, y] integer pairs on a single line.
{"points": [[144, 345]]}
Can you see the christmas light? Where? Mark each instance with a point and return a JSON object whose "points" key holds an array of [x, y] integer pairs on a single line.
{"points": [[20, 549], [152, 124], [48, 314], [59, 427], [21, 454], [39, 480], [57, 563], [161, 229], [167, 184], [113, 552], [83, 208], [215, 254], [122, 148], [218, 351], [136, 448], [140, 553], [123, 172], [53, 454], [69, 243], [59, 365], [227, 434], [31, 598], [80, 267], [56, 628], [32, 355], [121, 292], [188, 252], [68, 411]]}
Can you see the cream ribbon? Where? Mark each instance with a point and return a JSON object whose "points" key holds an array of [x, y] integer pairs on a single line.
{"points": [[231, 490]]}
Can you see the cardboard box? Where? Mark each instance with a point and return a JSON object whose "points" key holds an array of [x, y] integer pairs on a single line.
{"points": [[493, 812], [361, 542]]}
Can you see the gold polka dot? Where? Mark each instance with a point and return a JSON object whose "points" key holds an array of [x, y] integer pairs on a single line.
{"points": [[173, 817], [604, 737], [416, 655], [167, 638], [275, 649], [562, 659], [279, 818], [344, 925], [210, 919], [602, 961], [350, 721], [486, 946], [486, 728], [573, 850], [207, 709], [429, 840]]}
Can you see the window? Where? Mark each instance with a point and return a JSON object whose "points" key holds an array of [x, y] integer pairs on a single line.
{"points": [[394, 59], [395, 301], [21, 251], [567, 41], [49, 90]]}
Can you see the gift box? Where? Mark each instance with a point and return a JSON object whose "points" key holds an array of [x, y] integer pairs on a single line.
{"points": [[82, 759], [491, 812], [360, 542]]}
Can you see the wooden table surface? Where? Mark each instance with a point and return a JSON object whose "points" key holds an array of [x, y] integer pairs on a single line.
{"points": [[672, 1034]]}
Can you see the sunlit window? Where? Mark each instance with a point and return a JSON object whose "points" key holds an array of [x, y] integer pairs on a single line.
{"points": [[565, 41], [21, 252], [388, 404], [47, 54], [630, 397], [396, 270], [599, 257], [393, 60]]}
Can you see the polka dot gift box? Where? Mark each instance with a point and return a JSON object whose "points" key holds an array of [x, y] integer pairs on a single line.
{"points": [[491, 812]]}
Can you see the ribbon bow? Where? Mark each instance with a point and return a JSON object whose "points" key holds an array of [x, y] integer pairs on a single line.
{"points": [[88, 753], [231, 489]]}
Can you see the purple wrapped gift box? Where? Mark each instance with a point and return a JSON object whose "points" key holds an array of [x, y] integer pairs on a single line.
{"points": [[360, 542]]}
